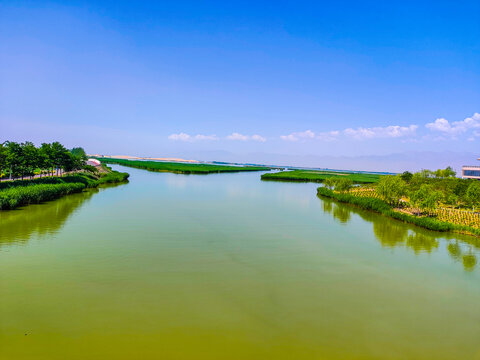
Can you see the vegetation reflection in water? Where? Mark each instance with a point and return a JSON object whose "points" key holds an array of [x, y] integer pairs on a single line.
{"points": [[392, 233], [18, 226]]}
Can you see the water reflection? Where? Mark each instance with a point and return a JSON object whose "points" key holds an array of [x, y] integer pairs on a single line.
{"points": [[339, 213], [18, 226], [391, 233]]}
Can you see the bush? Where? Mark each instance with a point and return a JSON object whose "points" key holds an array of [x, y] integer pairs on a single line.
{"points": [[18, 193], [343, 184], [34, 194]]}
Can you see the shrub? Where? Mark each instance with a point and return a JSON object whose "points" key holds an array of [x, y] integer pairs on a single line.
{"points": [[34, 194], [343, 184]]}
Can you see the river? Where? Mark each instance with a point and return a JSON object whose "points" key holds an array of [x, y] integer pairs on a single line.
{"points": [[226, 266]]}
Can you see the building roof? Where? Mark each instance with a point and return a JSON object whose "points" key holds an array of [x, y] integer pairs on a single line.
{"points": [[93, 162]]}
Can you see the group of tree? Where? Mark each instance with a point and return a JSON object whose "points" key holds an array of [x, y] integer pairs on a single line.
{"points": [[427, 189], [340, 184], [20, 160]]}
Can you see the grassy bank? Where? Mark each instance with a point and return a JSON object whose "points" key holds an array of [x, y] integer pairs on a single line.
{"points": [[380, 206], [22, 192], [180, 168], [320, 176]]}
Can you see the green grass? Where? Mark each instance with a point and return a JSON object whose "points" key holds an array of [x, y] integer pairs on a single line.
{"points": [[24, 192], [320, 176], [180, 168], [382, 207]]}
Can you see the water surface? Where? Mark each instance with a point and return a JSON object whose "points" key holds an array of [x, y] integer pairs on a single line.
{"points": [[225, 266]]}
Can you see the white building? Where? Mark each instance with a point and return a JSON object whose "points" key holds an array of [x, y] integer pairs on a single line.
{"points": [[93, 162], [471, 172]]}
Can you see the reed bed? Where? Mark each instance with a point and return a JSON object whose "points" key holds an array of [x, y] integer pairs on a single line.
{"points": [[320, 176], [181, 168]]}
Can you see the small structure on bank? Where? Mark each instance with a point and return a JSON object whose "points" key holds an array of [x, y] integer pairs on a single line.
{"points": [[93, 162]]}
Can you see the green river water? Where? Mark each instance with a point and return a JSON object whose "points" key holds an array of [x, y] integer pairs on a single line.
{"points": [[225, 266]]}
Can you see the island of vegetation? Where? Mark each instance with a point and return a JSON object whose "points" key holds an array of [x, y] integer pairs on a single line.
{"points": [[320, 176], [31, 175], [434, 200], [181, 168]]}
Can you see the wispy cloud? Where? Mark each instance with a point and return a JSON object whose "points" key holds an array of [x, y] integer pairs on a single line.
{"points": [[179, 137], [186, 137], [393, 131], [240, 137], [308, 134]]}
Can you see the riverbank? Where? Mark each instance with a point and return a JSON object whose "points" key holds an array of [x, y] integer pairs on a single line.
{"points": [[181, 168], [320, 176], [380, 206], [14, 194]]}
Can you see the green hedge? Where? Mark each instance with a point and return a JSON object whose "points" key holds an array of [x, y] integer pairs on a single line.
{"points": [[87, 179], [23, 192], [382, 207], [34, 194]]}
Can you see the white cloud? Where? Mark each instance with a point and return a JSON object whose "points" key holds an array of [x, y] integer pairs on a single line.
{"points": [[240, 137], [308, 134], [393, 131], [179, 137], [457, 127], [186, 137], [237, 136], [328, 136], [258, 138], [206, 137]]}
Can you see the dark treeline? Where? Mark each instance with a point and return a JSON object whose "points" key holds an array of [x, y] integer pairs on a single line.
{"points": [[19, 160]]}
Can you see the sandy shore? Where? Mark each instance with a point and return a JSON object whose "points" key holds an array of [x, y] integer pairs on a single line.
{"points": [[127, 157]]}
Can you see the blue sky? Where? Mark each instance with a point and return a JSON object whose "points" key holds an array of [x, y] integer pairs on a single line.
{"points": [[184, 78]]}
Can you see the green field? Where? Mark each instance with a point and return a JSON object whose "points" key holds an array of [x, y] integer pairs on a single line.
{"points": [[320, 176], [181, 168]]}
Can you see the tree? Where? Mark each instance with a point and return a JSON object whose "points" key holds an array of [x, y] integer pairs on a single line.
{"points": [[330, 182], [391, 188], [59, 154], [30, 158], [3, 160], [426, 197], [47, 156], [343, 184], [448, 172], [425, 174], [14, 158], [406, 176], [79, 153], [473, 194]]}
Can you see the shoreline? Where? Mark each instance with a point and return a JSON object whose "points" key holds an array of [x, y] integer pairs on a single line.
{"points": [[21, 193], [181, 168], [381, 207]]}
